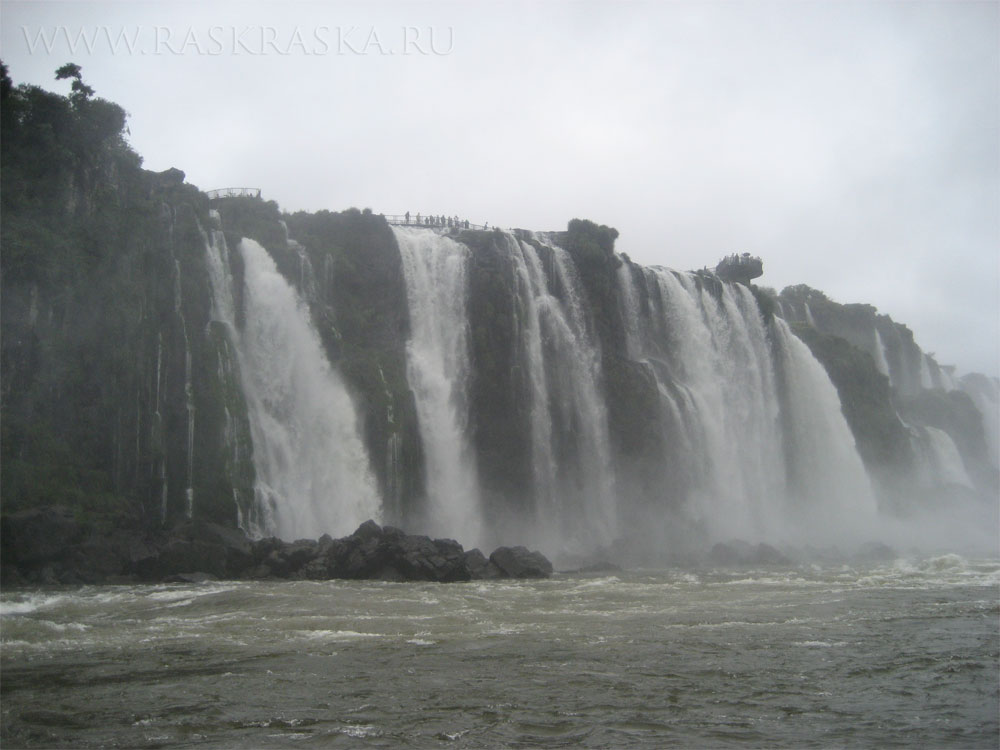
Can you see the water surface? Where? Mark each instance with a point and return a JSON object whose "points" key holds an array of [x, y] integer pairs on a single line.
{"points": [[891, 655]]}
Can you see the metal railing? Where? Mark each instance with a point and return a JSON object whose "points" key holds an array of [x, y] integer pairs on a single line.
{"points": [[233, 192], [420, 220]]}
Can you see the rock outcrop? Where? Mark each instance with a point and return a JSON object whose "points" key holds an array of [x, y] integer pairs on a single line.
{"points": [[46, 547], [741, 268]]}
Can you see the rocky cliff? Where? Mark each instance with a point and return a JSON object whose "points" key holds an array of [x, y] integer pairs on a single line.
{"points": [[569, 398]]}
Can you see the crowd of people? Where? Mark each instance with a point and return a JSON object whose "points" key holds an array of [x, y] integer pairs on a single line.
{"points": [[440, 221]]}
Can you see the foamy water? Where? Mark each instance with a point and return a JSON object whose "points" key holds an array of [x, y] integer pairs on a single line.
{"points": [[900, 653]]}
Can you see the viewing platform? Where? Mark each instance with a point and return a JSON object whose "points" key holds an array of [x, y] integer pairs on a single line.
{"points": [[233, 192], [440, 222], [742, 268]]}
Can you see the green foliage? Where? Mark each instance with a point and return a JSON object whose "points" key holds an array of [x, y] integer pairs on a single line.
{"points": [[104, 295], [59, 160], [251, 217], [590, 243], [80, 91], [6, 84], [803, 293]]}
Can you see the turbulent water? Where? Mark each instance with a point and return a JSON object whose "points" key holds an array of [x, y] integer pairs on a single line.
{"points": [[901, 654]]}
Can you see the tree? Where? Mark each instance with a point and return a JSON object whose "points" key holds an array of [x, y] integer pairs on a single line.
{"points": [[80, 91], [6, 84]]}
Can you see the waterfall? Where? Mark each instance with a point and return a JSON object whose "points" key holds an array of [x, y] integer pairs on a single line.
{"points": [[831, 493], [156, 436], [925, 372], [985, 393], [880, 359], [437, 367], [754, 442], [188, 391], [720, 364], [809, 316], [764, 451], [571, 450], [313, 473], [943, 462]]}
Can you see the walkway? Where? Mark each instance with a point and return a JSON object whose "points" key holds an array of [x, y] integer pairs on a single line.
{"points": [[420, 220], [233, 192]]}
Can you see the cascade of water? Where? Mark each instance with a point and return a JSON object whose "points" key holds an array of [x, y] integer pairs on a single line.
{"points": [[925, 372], [393, 452], [985, 393], [532, 294], [313, 474], [943, 461], [731, 406], [571, 456], [630, 311], [947, 379], [715, 363], [809, 316], [156, 436], [437, 366], [581, 367], [880, 359], [831, 493], [188, 390]]}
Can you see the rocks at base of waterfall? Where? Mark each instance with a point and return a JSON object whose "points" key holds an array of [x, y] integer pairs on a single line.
{"points": [[47, 547], [39, 534], [50, 545], [387, 553], [520, 562], [206, 548], [738, 552], [480, 568]]}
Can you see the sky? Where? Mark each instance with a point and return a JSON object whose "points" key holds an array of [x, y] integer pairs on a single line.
{"points": [[854, 146]]}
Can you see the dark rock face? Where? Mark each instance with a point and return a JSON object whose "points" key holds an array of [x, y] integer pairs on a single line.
{"points": [[519, 562], [479, 567], [45, 546], [39, 534]]}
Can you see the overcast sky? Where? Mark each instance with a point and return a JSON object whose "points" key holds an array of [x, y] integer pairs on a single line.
{"points": [[852, 145]]}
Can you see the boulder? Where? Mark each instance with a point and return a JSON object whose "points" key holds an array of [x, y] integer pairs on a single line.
{"points": [[765, 554], [168, 177], [736, 552], [197, 547], [47, 545], [184, 556], [479, 567], [520, 562], [390, 554]]}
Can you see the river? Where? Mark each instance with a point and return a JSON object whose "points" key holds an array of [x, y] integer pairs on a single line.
{"points": [[899, 654]]}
